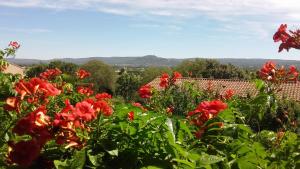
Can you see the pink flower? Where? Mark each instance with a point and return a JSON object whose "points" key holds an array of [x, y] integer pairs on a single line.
{"points": [[14, 44]]}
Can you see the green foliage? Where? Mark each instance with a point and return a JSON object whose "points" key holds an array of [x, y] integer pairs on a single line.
{"points": [[205, 68], [66, 68], [151, 73], [127, 85], [102, 75]]}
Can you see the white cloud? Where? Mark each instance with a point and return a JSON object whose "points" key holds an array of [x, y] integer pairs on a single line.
{"points": [[247, 17], [22, 30], [214, 8]]}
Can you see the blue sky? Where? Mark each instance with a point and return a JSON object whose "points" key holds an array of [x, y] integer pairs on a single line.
{"points": [[167, 28]]}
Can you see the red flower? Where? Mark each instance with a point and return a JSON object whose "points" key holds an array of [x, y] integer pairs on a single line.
{"points": [[130, 116], [85, 111], [81, 74], [213, 107], [281, 34], [12, 103], [34, 124], [228, 94], [164, 80], [24, 153], [34, 86], [205, 111], [85, 90], [103, 107], [145, 91], [50, 73], [103, 96], [267, 72], [176, 75], [288, 40], [14, 45], [293, 73]]}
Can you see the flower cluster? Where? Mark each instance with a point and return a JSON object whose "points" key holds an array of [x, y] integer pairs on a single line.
{"points": [[270, 72], [228, 94], [50, 73], [36, 124], [101, 96], [81, 74], [36, 91], [205, 111], [165, 80], [62, 126], [75, 117], [85, 90], [145, 91], [288, 40]]}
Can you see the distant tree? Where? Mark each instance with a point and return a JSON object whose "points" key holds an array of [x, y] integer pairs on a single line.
{"points": [[151, 73], [127, 85], [209, 68], [36, 70], [66, 68], [102, 75]]}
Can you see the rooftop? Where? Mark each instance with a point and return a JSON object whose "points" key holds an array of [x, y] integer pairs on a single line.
{"points": [[240, 87]]}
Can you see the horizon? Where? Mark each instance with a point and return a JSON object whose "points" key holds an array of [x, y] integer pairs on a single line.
{"points": [[170, 29], [155, 56]]}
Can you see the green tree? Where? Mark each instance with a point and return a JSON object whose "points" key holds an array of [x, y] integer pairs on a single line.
{"points": [[36, 70], [209, 68], [102, 75], [151, 73], [66, 68], [127, 85]]}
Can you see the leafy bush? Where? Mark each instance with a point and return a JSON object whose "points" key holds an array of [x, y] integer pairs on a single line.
{"points": [[48, 123]]}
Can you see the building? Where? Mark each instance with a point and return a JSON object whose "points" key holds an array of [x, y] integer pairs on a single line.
{"points": [[241, 88], [15, 69]]}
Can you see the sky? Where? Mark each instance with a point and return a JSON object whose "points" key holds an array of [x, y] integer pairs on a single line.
{"points": [[48, 29]]}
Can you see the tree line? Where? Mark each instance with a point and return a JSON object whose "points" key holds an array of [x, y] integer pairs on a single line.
{"points": [[126, 81]]}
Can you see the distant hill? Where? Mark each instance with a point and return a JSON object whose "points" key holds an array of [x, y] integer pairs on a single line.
{"points": [[144, 61], [152, 60]]}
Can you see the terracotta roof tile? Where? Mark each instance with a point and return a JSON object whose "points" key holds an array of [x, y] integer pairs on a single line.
{"points": [[240, 87]]}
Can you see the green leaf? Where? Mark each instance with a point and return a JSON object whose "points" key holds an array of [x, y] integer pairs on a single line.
{"points": [[151, 167], [79, 159], [60, 164], [260, 85], [206, 159], [227, 115], [113, 152], [186, 163]]}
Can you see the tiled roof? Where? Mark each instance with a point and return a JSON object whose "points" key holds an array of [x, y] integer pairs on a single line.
{"points": [[240, 87], [14, 69]]}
